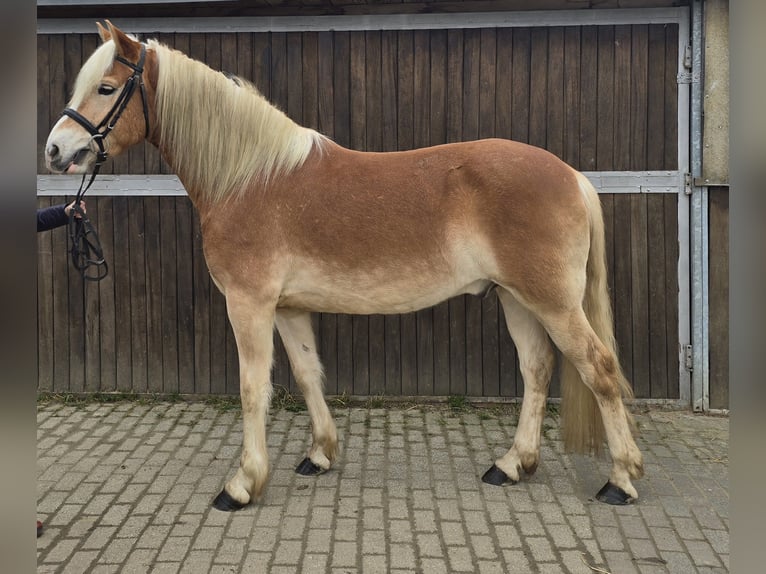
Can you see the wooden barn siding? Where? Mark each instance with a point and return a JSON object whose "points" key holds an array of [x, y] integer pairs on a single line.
{"points": [[600, 97], [719, 297]]}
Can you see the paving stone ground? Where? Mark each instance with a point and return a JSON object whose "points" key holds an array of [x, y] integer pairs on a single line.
{"points": [[127, 487]]}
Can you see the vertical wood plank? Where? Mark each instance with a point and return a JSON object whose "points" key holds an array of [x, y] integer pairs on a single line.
{"points": [[572, 89], [639, 82], [622, 97], [719, 298], [589, 98], [121, 272], [671, 97], [138, 295], [605, 111], [45, 341], [342, 87], [640, 295], [185, 293], [655, 98], [658, 340], [107, 378], [607, 207], [421, 73], [261, 73], [538, 63], [76, 315], [294, 77], [167, 271], [45, 115], [245, 56], [325, 78], [154, 329], [278, 76], [520, 83], [671, 278], [504, 83], [623, 316], [90, 318], [487, 82], [201, 311], [62, 283], [555, 118], [310, 66]]}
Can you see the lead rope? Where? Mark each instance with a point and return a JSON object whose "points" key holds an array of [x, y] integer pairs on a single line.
{"points": [[84, 246]]}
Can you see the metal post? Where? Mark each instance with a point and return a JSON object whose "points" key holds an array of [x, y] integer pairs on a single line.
{"points": [[699, 226]]}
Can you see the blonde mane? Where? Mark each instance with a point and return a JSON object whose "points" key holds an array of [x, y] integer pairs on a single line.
{"points": [[223, 135]]}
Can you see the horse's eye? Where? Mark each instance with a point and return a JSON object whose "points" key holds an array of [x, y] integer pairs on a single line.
{"points": [[105, 90]]}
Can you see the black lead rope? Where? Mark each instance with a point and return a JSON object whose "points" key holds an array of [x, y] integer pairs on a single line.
{"points": [[84, 246]]}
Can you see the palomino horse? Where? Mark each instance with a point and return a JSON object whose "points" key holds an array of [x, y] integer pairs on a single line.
{"points": [[294, 223]]}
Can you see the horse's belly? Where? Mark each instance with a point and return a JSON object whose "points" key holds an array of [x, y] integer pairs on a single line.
{"points": [[361, 294]]}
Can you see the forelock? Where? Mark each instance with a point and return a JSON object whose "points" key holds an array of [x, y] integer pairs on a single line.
{"points": [[94, 68]]}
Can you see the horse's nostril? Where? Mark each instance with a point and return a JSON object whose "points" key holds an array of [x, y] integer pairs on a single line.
{"points": [[53, 151]]}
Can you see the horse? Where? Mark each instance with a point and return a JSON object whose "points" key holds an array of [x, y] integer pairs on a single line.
{"points": [[293, 223]]}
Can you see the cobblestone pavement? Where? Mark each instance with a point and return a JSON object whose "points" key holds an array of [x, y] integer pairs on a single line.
{"points": [[127, 487]]}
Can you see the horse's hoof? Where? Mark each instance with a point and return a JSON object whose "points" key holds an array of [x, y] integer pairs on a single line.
{"points": [[308, 468], [496, 477], [613, 494], [226, 503]]}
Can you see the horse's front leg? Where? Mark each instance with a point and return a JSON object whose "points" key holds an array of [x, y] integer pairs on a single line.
{"points": [[253, 326], [298, 337]]}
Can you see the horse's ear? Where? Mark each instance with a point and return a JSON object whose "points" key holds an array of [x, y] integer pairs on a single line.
{"points": [[103, 32], [126, 46]]}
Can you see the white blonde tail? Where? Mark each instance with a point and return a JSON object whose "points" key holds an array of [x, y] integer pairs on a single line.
{"points": [[582, 427]]}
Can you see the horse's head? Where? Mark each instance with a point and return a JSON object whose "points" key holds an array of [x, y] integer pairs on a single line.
{"points": [[109, 110]]}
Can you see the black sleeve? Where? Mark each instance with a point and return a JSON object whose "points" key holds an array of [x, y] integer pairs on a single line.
{"points": [[50, 217]]}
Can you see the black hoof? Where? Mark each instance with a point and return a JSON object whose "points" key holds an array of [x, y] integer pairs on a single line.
{"points": [[613, 494], [496, 477], [226, 503], [308, 468]]}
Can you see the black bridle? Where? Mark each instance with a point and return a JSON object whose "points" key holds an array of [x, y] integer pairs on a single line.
{"points": [[85, 247]]}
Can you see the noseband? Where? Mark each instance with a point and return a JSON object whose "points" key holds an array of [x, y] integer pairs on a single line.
{"points": [[85, 247], [98, 133]]}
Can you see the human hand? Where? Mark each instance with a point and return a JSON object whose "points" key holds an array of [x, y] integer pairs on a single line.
{"points": [[68, 209]]}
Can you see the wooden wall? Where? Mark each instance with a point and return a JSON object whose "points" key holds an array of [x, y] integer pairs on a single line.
{"points": [[718, 297], [600, 97]]}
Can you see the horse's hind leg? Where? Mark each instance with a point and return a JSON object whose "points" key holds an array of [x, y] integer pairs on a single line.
{"points": [[536, 360], [599, 369], [298, 337]]}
